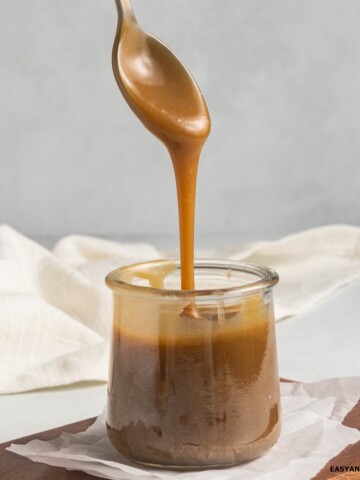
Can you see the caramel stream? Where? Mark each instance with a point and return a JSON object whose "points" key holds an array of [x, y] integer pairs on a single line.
{"points": [[164, 96]]}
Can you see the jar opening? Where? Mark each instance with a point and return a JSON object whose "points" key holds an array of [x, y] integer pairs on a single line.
{"points": [[212, 277]]}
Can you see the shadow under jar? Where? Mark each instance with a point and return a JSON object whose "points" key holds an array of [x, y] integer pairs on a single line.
{"points": [[193, 374]]}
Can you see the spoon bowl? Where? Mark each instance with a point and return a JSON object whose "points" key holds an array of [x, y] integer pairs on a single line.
{"points": [[155, 83]]}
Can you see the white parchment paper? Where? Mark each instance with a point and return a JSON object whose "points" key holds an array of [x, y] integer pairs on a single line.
{"points": [[312, 434]]}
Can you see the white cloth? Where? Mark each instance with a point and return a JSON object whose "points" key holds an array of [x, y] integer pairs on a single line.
{"points": [[55, 311], [312, 434]]}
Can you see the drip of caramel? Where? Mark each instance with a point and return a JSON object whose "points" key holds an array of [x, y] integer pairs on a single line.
{"points": [[164, 96]]}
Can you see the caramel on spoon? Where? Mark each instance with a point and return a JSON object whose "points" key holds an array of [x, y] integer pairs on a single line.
{"points": [[164, 96]]}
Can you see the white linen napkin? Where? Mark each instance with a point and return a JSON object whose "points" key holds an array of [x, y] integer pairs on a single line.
{"points": [[55, 311], [312, 434]]}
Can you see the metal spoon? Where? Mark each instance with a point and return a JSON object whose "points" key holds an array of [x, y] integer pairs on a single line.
{"points": [[156, 85]]}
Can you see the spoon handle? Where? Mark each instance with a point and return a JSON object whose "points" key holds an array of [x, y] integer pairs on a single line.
{"points": [[125, 10]]}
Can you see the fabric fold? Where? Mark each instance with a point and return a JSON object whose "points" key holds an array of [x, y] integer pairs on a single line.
{"points": [[55, 311]]}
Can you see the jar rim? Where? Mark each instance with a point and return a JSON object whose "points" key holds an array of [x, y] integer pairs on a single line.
{"points": [[267, 278]]}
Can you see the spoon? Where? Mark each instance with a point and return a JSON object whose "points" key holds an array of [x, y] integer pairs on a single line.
{"points": [[165, 97], [156, 85]]}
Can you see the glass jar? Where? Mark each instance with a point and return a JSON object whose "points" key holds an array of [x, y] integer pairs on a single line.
{"points": [[193, 374]]}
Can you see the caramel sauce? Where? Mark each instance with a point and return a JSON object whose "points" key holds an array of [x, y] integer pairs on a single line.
{"points": [[190, 386], [165, 97], [192, 393]]}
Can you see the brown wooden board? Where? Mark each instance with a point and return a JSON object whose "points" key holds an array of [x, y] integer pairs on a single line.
{"points": [[15, 467]]}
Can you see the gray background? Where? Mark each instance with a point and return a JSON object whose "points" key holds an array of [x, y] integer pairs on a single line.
{"points": [[282, 82]]}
